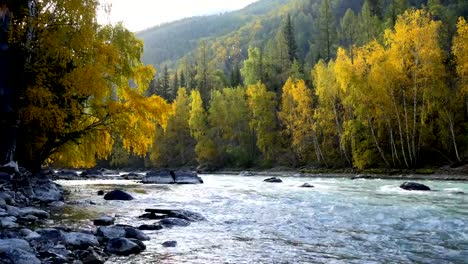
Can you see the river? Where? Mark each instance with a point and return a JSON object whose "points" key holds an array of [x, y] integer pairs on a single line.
{"points": [[249, 221]]}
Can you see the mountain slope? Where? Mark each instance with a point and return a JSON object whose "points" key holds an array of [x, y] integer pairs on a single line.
{"points": [[169, 42]]}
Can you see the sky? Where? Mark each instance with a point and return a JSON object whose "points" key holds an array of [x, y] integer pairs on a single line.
{"points": [[142, 14]]}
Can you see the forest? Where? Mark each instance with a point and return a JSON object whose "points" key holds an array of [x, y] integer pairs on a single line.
{"points": [[382, 84], [315, 83]]}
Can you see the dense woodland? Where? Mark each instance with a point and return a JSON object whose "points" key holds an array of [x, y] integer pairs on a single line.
{"points": [[322, 83], [318, 83]]}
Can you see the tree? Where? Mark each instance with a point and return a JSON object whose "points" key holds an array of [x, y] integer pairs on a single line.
{"points": [[296, 116], [369, 24], [262, 107], [290, 39], [349, 31], [205, 148], [253, 71], [327, 30], [175, 85], [77, 90]]}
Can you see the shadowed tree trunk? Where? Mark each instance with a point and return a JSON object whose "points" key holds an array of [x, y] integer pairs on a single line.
{"points": [[12, 62]]}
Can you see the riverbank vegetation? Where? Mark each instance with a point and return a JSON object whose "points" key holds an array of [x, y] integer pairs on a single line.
{"points": [[385, 89], [318, 83]]}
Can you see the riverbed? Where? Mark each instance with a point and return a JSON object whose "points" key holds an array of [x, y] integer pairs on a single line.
{"points": [[250, 221]]}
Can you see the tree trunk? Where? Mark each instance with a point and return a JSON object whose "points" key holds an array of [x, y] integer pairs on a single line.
{"points": [[382, 154]]}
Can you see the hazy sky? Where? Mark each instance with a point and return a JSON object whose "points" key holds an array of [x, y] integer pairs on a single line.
{"points": [[141, 14]]}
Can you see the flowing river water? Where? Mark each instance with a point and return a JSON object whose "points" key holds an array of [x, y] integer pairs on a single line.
{"points": [[249, 221]]}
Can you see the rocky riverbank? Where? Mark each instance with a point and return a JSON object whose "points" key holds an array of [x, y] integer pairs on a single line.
{"points": [[28, 235]]}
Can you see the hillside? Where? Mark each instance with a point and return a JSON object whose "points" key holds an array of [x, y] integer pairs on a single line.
{"points": [[167, 43]]}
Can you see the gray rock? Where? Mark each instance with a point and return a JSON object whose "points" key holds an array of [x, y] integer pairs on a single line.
{"points": [[104, 221], [7, 244], [91, 173], [18, 256], [170, 222], [100, 192], [131, 232], [5, 177], [13, 210], [41, 214], [414, 186], [2, 203], [67, 175], [139, 243], [52, 235], [57, 204], [6, 197], [182, 214], [151, 227], [80, 240], [187, 177], [28, 219], [159, 177], [110, 232], [47, 191], [122, 247], [91, 257], [118, 195], [132, 176], [8, 222], [29, 234], [171, 243], [307, 185], [273, 180]]}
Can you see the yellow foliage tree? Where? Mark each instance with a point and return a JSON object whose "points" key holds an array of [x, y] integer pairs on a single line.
{"points": [[262, 106], [83, 83]]}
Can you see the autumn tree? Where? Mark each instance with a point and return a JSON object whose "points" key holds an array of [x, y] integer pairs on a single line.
{"points": [[84, 82], [205, 149], [298, 122], [262, 107]]}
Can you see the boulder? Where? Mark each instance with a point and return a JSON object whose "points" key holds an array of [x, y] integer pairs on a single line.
{"points": [[151, 227], [132, 176], [91, 257], [67, 175], [171, 243], [131, 232], [91, 173], [18, 256], [170, 222], [414, 186], [307, 185], [110, 232], [80, 240], [29, 234], [273, 180], [118, 195], [41, 214], [139, 243], [5, 177], [122, 247], [8, 222], [51, 235], [182, 214], [159, 177], [104, 221], [10, 168], [152, 216], [100, 193], [47, 191], [187, 177], [6, 244]]}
